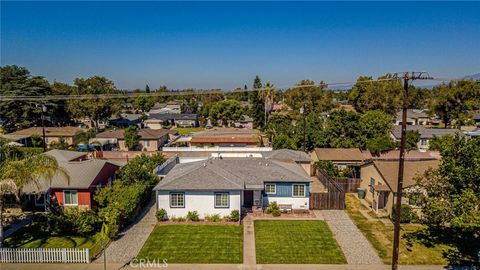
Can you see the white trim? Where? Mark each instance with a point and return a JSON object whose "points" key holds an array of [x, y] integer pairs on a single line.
{"points": [[274, 188], [304, 190], [64, 200]]}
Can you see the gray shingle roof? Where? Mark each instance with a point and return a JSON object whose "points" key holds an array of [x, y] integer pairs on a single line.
{"points": [[425, 133], [173, 116], [230, 174]]}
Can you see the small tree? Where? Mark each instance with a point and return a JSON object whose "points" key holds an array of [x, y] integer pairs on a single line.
{"points": [[131, 137]]}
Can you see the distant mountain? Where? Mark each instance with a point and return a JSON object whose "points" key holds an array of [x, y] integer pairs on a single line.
{"points": [[473, 77]]}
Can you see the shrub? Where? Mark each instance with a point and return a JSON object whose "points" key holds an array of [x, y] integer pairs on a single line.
{"points": [[276, 213], [407, 214], [192, 216], [161, 215], [73, 221], [234, 216], [272, 207], [178, 219], [213, 218], [328, 167]]}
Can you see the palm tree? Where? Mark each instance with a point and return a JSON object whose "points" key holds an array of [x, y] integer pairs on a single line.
{"points": [[32, 170]]}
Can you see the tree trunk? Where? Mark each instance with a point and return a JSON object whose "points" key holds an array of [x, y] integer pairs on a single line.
{"points": [[1, 221]]}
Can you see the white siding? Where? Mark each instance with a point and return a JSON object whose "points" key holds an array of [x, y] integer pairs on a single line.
{"points": [[200, 201], [297, 203]]}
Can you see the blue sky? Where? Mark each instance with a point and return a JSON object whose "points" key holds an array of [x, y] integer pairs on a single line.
{"points": [[225, 44]]}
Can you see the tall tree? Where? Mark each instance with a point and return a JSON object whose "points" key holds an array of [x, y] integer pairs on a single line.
{"points": [[131, 137], [257, 110], [147, 89], [17, 81], [376, 95], [312, 96], [95, 109]]}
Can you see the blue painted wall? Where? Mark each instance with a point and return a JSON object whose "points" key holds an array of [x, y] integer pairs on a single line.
{"points": [[285, 189]]}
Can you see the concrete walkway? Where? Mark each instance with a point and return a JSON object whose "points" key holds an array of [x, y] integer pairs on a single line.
{"points": [[249, 257], [355, 246], [133, 238]]}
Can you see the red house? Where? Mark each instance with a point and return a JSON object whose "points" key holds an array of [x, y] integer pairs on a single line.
{"points": [[86, 177]]}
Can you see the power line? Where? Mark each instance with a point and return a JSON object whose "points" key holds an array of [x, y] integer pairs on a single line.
{"points": [[193, 92]]}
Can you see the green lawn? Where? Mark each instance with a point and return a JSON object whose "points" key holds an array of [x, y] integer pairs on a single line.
{"points": [[33, 236], [186, 131], [413, 250], [195, 244], [296, 242]]}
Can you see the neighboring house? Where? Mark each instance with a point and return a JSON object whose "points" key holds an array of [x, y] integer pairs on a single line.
{"points": [[409, 155], [342, 157], [245, 122], [476, 118], [474, 133], [288, 155], [414, 117], [379, 179], [159, 120], [426, 134], [149, 139], [86, 177], [125, 120], [227, 137], [52, 134], [165, 108], [219, 186]]}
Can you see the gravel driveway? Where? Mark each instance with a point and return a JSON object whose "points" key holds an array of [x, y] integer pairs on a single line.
{"points": [[355, 246]]}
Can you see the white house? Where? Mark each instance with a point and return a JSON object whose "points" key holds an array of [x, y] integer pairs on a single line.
{"points": [[219, 186]]}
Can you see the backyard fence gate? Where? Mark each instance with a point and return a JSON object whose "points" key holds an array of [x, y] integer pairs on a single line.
{"points": [[44, 255]]}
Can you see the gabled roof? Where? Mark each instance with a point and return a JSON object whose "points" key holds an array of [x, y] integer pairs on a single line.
{"points": [[82, 173], [389, 171], [49, 131], [144, 133], [425, 133], [172, 116], [65, 155], [342, 154], [230, 174], [409, 155], [412, 113]]}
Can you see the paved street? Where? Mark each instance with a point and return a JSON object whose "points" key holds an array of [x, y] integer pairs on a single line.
{"points": [[133, 239], [355, 246], [95, 266]]}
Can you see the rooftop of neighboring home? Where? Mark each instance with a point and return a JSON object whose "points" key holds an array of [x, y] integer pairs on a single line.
{"points": [[230, 174], [342, 154], [409, 155], [128, 116], [288, 155], [49, 132], [413, 113], [82, 172], [169, 116], [226, 135], [389, 171], [425, 133], [144, 133]]}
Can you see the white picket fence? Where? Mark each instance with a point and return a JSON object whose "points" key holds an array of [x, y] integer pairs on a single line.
{"points": [[44, 255]]}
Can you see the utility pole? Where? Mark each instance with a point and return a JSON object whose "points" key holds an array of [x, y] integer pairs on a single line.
{"points": [[44, 143], [406, 77], [303, 112]]}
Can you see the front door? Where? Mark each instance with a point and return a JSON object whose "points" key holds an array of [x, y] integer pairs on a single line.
{"points": [[248, 198]]}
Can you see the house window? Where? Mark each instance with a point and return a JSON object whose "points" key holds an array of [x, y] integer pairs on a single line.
{"points": [[423, 142], [70, 197], [222, 200], [372, 183], [298, 190], [270, 189], [177, 200], [146, 143]]}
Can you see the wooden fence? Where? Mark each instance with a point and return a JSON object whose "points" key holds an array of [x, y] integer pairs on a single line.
{"points": [[44, 255], [334, 198], [349, 185]]}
